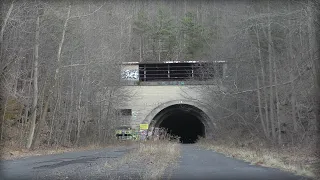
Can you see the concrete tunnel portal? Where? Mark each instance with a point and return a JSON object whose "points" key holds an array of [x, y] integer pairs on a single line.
{"points": [[185, 121]]}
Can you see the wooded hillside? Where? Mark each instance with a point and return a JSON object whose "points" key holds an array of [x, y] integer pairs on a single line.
{"points": [[60, 65]]}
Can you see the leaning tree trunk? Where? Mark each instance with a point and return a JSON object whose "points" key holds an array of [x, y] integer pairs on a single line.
{"points": [[35, 88]]}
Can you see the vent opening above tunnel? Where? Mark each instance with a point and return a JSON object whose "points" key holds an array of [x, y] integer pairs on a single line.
{"points": [[180, 71], [171, 72]]}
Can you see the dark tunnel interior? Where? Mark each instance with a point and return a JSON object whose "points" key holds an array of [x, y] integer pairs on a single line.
{"points": [[183, 124]]}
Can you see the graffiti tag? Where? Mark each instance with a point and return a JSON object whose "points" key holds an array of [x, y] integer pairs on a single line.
{"points": [[132, 74]]}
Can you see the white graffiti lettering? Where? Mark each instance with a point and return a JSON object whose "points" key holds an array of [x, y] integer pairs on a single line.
{"points": [[132, 74]]}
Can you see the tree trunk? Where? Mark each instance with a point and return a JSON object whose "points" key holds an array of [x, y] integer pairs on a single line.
{"points": [[62, 41], [26, 111], [2, 69], [52, 124], [35, 87], [42, 118], [317, 87], [277, 102], [270, 51], [259, 102], [79, 111], [3, 118], [2, 102], [314, 59], [264, 85], [293, 104], [5, 21], [293, 94], [56, 83], [108, 109], [66, 130]]}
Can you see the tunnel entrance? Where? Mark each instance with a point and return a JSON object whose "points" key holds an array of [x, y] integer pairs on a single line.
{"points": [[184, 121]]}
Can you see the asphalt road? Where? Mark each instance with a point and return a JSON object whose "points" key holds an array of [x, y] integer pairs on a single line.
{"points": [[70, 165], [195, 163]]}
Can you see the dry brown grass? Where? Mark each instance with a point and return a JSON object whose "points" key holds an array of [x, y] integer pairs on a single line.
{"points": [[150, 160], [287, 159]]}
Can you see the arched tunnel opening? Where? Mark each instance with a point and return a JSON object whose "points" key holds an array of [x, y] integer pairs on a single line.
{"points": [[184, 121]]}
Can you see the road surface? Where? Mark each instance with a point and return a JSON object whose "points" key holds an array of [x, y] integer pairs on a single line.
{"points": [[70, 165], [195, 163]]}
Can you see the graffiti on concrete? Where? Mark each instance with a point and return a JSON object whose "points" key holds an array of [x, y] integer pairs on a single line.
{"points": [[130, 74], [143, 135]]}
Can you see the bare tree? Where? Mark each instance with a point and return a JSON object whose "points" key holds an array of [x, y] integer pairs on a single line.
{"points": [[35, 86]]}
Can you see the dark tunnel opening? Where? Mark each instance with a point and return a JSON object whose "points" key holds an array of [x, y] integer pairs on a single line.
{"points": [[183, 123]]}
